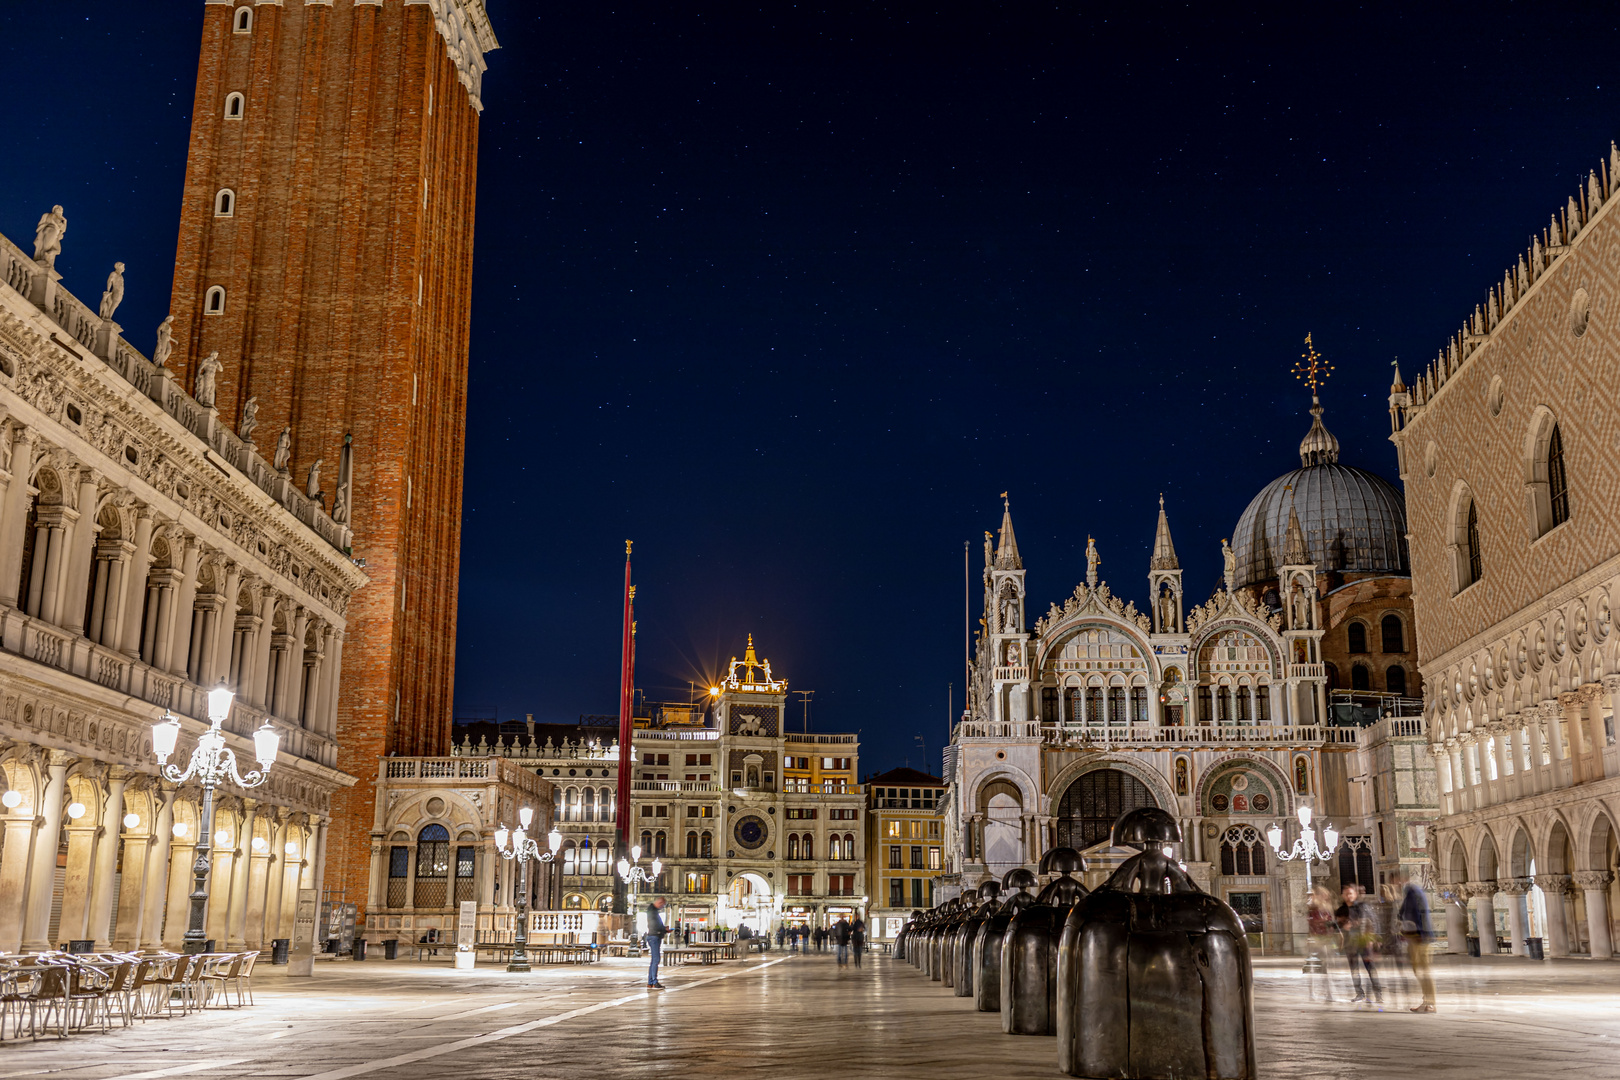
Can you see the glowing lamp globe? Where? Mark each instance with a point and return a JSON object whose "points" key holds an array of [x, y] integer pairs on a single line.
{"points": [[11, 800], [658, 866], [500, 838], [291, 848], [131, 820], [1331, 836], [266, 741], [624, 870], [635, 853], [180, 830], [222, 838], [525, 816], [165, 734], [219, 703], [1304, 817], [1274, 836], [554, 839], [75, 810]]}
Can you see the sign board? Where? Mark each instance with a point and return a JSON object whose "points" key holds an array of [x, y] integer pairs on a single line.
{"points": [[301, 958], [467, 924]]}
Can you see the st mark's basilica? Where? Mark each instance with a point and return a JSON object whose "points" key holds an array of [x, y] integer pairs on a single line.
{"points": [[1295, 684]]}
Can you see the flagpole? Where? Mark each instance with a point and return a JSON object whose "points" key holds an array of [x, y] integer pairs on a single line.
{"points": [[627, 758]]}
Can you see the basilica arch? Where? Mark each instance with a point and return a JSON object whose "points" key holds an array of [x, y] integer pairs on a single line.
{"points": [[1097, 670], [1088, 797]]}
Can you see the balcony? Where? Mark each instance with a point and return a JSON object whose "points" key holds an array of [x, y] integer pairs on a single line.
{"points": [[676, 735], [1019, 673], [823, 740], [1307, 671], [676, 786], [453, 770], [999, 729], [1254, 736]]}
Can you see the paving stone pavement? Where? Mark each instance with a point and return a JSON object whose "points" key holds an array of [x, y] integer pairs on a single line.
{"points": [[802, 1016]]}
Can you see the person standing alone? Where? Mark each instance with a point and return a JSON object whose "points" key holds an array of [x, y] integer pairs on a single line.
{"points": [[857, 938], [840, 933], [655, 940], [1413, 920]]}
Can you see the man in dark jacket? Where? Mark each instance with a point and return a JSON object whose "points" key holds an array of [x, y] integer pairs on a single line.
{"points": [[655, 940], [840, 932], [857, 938], [1413, 920]]}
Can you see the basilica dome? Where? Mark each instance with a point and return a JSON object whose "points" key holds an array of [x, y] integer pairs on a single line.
{"points": [[1353, 520]]}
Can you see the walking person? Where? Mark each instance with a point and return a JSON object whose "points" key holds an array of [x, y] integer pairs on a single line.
{"points": [[1416, 927], [781, 935], [1355, 921], [841, 939], [655, 940], [1322, 934], [857, 938]]}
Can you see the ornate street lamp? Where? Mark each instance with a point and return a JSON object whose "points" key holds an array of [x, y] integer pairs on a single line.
{"points": [[212, 763], [523, 848], [1307, 849], [634, 875]]}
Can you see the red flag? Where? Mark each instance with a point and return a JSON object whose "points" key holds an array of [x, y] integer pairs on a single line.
{"points": [[627, 682]]}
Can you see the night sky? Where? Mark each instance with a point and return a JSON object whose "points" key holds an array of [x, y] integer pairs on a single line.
{"points": [[789, 295]]}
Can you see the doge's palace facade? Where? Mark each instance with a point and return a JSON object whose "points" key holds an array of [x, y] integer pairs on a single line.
{"points": [[147, 552], [1508, 447]]}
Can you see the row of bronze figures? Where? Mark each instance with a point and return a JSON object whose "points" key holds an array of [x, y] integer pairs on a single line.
{"points": [[1148, 977]]}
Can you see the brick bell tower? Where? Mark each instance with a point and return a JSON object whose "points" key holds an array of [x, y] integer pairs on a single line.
{"points": [[325, 252]]}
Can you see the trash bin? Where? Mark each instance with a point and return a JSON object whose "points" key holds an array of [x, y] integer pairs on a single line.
{"points": [[391, 949], [1473, 945], [329, 946], [359, 952], [1533, 948], [81, 945], [278, 950]]}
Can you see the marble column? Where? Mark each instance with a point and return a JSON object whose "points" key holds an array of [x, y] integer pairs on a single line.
{"points": [[260, 861], [15, 858], [1592, 699], [129, 633], [332, 669], [221, 873], [174, 642], [177, 916], [275, 880], [1482, 896], [14, 517], [1595, 885], [1570, 727], [1518, 913], [263, 685], [237, 912], [77, 586], [103, 880], [1555, 887], [1457, 921], [292, 679], [42, 875], [225, 624]]}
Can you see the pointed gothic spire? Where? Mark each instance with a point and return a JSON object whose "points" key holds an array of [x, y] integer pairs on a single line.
{"points": [[1295, 552], [1007, 546], [1164, 552]]}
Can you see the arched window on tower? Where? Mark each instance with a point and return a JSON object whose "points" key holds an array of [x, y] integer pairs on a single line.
{"points": [[849, 846], [708, 845], [1467, 559], [1395, 679], [214, 301], [793, 846], [660, 844], [809, 847], [1557, 479], [234, 104], [1359, 679], [1393, 633], [244, 20], [1357, 633]]}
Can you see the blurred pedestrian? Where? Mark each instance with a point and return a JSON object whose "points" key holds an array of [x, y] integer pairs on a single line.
{"points": [[1322, 935], [1356, 925], [655, 940], [857, 938], [1418, 929], [841, 939]]}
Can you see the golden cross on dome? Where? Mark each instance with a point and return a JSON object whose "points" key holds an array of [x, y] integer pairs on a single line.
{"points": [[1312, 369]]}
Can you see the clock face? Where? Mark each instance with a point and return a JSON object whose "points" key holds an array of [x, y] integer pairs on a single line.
{"points": [[750, 832]]}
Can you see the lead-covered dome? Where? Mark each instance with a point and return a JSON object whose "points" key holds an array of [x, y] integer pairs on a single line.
{"points": [[1353, 520]]}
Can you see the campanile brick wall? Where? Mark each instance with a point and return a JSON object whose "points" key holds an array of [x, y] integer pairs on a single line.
{"points": [[347, 268]]}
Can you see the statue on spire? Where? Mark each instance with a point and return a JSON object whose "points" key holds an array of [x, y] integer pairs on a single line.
{"points": [[1092, 559]]}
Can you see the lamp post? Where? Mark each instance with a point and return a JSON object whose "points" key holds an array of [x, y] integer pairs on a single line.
{"points": [[633, 875], [1307, 849], [523, 848], [212, 763]]}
